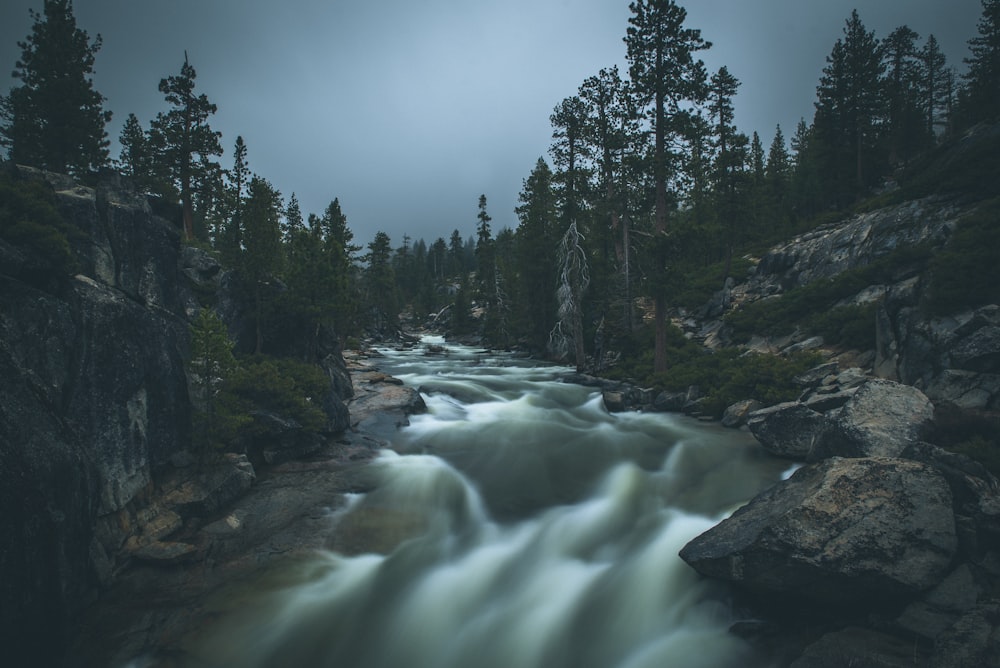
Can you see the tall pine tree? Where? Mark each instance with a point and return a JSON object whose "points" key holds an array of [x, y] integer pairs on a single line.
{"points": [[55, 119], [665, 75], [183, 141]]}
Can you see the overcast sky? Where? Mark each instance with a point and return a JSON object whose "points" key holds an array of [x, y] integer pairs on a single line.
{"points": [[407, 110]]}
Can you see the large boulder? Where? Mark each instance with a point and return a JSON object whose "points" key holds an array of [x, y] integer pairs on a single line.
{"points": [[880, 420], [844, 532]]}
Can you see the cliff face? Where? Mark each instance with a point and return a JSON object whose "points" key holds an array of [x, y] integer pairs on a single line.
{"points": [[94, 401]]}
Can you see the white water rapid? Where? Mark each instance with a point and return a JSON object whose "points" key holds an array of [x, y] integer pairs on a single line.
{"points": [[534, 529]]}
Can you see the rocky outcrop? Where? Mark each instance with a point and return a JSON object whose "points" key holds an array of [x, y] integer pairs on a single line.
{"points": [[857, 242]]}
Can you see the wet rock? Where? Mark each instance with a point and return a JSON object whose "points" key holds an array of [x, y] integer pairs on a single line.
{"points": [[381, 407], [843, 532], [787, 430], [881, 419]]}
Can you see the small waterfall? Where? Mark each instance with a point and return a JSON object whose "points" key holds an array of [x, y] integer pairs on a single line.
{"points": [[517, 523]]}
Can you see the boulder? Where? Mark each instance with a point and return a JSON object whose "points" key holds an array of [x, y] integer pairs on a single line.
{"points": [[881, 419], [941, 607], [787, 430], [737, 414], [972, 641], [815, 376], [844, 532]]}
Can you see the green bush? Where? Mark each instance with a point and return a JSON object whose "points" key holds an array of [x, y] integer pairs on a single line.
{"points": [[289, 388], [848, 326], [723, 376], [730, 375], [29, 218]]}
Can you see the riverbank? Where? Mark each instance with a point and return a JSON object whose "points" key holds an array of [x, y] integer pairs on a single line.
{"points": [[157, 610]]}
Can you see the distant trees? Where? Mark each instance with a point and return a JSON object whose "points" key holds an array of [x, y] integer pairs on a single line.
{"points": [[55, 119]]}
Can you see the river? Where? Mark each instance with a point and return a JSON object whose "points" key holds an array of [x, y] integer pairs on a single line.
{"points": [[524, 526]]}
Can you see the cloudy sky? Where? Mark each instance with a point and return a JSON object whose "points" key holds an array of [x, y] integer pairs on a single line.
{"points": [[407, 110]]}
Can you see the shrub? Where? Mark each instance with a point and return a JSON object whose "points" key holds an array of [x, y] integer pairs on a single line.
{"points": [[723, 376], [29, 218], [729, 375], [289, 388]]}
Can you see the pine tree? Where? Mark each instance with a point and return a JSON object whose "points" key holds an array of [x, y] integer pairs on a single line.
{"points": [[777, 180], [380, 284], [980, 97], [456, 255], [55, 119], [485, 254], [665, 75], [536, 255], [758, 209], [935, 94], [293, 218], [568, 152], [904, 122], [182, 138], [728, 173], [212, 365], [848, 109], [135, 159], [337, 232], [437, 258], [260, 259]]}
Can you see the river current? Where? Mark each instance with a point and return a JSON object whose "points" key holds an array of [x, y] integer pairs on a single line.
{"points": [[534, 529]]}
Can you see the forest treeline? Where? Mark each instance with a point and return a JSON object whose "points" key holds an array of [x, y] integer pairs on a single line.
{"points": [[647, 200]]}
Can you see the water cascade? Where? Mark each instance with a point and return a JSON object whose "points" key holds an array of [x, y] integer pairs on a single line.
{"points": [[526, 527]]}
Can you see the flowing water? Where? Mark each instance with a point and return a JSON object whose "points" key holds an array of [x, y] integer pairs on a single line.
{"points": [[530, 528]]}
